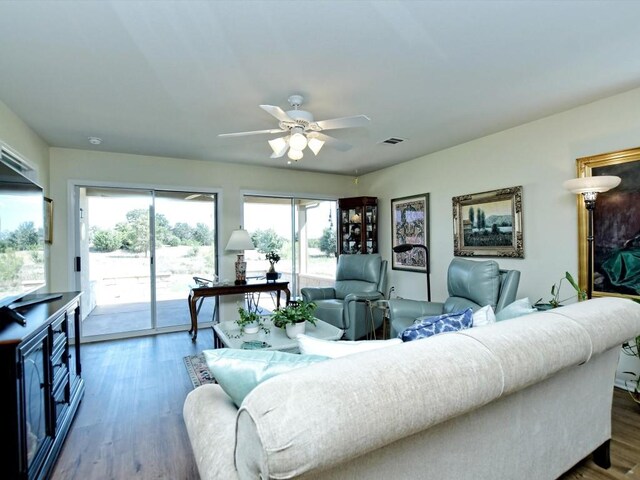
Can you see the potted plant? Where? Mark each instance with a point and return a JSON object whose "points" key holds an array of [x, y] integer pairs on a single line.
{"points": [[249, 322], [294, 316], [273, 258], [632, 349], [555, 301]]}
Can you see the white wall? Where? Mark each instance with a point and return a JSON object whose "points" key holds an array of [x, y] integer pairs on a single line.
{"points": [[539, 156], [229, 179]]}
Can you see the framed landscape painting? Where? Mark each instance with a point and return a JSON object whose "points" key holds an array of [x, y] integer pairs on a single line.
{"points": [[410, 224], [616, 226], [488, 224]]}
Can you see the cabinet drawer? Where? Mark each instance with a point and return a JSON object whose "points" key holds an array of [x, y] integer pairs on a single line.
{"points": [[61, 401], [59, 368], [58, 332]]}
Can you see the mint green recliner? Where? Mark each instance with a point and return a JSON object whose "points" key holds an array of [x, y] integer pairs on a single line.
{"points": [[471, 283], [358, 278]]}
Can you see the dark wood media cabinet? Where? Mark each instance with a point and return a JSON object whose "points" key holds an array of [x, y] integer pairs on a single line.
{"points": [[42, 385]]}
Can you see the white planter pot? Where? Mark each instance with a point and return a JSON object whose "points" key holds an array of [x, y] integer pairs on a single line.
{"points": [[293, 329], [251, 328]]}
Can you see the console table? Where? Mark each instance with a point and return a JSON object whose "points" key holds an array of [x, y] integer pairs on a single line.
{"points": [[218, 290]]}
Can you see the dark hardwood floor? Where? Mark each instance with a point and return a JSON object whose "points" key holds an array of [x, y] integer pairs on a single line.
{"points": [[130, 421]]}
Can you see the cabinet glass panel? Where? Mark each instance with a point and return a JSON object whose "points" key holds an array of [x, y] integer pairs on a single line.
{"points": [[35, 403]]}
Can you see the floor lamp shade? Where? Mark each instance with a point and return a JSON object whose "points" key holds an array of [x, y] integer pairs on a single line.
{"points": [[589, 187], [239, 242], [405, 247]]}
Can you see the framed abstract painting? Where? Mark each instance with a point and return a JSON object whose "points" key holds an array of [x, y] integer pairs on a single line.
{"points": [[410, 224]]}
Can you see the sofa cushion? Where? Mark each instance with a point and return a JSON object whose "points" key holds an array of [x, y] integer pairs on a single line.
{"points": [[333, 349], [516, 309], [484, 316], [240, 371], [428, 326]]}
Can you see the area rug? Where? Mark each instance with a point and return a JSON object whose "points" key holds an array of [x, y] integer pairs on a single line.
{"points": [[198, 371]]}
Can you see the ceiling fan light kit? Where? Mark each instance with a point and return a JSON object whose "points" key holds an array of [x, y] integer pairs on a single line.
{"points": [[295, 154], [302, 130]]}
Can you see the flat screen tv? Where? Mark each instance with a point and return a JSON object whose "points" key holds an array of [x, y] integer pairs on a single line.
{"points": [[22, 259]]}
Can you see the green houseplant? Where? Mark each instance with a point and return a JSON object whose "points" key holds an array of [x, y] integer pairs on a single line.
{"points": [[555, 301], [249, 322], [632, 349], [273, 258], [294, 316]]}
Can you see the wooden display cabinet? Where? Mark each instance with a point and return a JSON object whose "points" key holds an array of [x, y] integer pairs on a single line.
{"points": [[358, 225]]}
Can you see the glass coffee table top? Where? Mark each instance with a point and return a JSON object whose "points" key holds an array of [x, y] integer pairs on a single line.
{"points": [[229, 334]]}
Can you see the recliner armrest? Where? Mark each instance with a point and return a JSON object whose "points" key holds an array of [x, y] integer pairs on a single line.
{"points": [[362, 296], [413, 308], [311, 294]]}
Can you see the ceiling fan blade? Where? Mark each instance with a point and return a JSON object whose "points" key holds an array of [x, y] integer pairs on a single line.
{"points": [[344, 122], [256, 132], [277, 112], [331, 141]]}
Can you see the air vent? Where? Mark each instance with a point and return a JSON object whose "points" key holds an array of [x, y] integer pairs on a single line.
{"points": [[393, 140], [15, 161]]}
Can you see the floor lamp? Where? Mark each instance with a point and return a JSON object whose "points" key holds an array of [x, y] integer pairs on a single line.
{"points": [[589, 187], [239, 242], [405, 247]]}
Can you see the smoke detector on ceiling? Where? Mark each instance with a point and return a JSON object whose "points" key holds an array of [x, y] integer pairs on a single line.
{"points": [[95, 140]]}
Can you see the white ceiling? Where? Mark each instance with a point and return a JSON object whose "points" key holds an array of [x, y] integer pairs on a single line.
{"points": [[166, 77]]}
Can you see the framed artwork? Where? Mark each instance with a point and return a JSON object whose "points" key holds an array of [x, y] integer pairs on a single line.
{"points": [[616, 226], [48, 220], [410, 224], [488, 224]]}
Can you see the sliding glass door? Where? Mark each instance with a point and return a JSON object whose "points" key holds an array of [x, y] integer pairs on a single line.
{"points": [[185, 248], [138, 255], [301, 231]]}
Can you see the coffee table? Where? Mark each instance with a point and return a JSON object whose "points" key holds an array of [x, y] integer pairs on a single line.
{"points": [[227, 334]]}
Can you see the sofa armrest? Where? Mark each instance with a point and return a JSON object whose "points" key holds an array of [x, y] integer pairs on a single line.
{"points": [[311, 294], [212, 442]]}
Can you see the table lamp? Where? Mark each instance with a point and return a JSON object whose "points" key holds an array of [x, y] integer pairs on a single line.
{"points": [[239, 242]]}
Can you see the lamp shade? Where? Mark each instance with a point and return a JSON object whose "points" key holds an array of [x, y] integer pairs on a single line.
{"points": [[240, 240], [597, 184], [315, 145], [298, 141], [278, 145], [295, 154]]}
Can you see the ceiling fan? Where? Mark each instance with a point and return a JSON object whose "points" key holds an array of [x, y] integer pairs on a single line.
{"points": [[302, 131]]}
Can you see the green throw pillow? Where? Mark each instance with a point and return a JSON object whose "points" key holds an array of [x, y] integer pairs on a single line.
{"points": [[240, 371]]}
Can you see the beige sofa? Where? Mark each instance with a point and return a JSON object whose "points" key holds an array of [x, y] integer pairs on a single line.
{"points": [[523, 398]]}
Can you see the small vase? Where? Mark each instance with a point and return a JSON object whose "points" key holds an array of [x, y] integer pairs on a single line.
{"points": [[251, 328], [294, 329]]}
